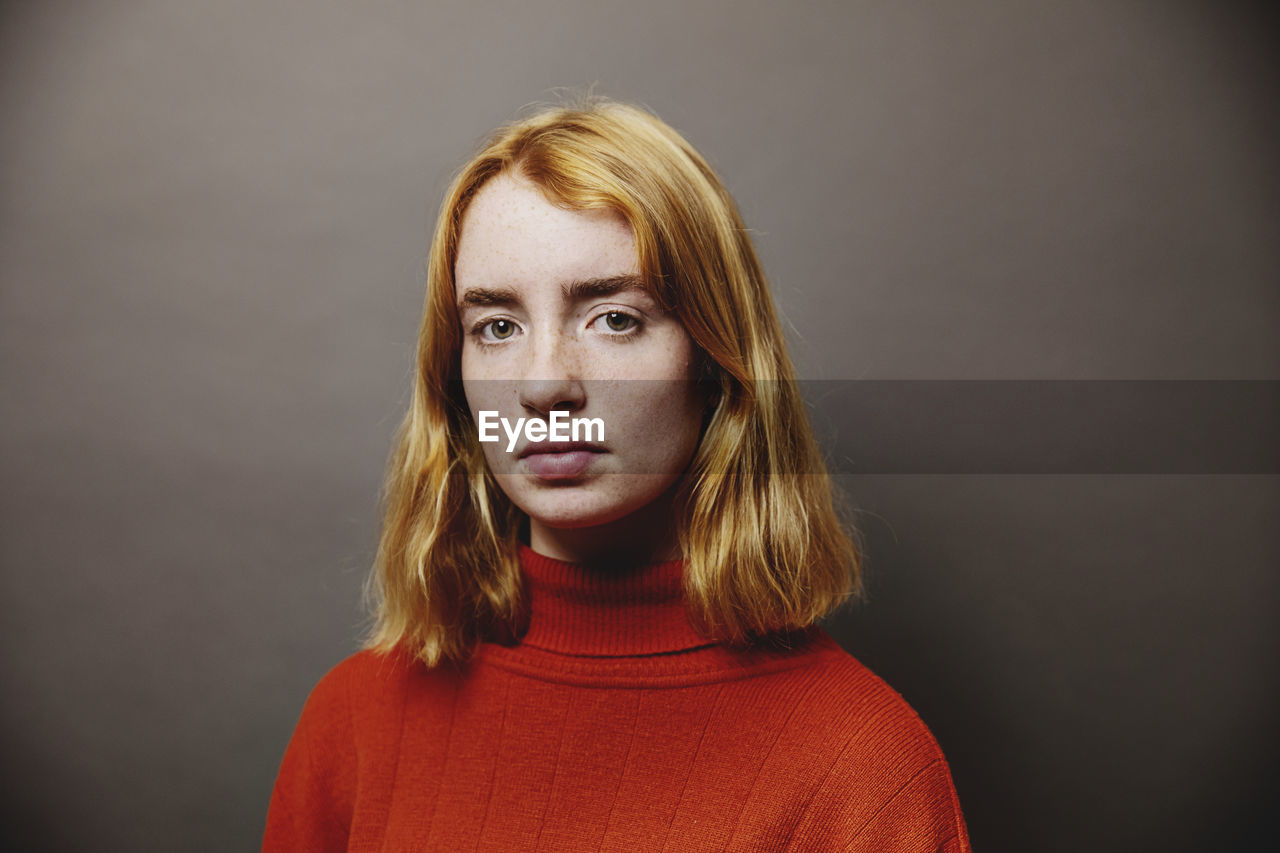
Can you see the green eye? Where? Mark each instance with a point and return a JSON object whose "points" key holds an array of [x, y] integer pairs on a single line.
{"points": [[502, 329]]}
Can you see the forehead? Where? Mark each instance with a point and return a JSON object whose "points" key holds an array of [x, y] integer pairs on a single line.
{"points": [[512, 236]]}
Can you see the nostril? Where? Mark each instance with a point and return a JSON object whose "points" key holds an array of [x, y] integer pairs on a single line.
{"points": [[542, 396]]}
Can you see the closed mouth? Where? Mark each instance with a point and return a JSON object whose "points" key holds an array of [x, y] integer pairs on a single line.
{"points": [[559, 447]]}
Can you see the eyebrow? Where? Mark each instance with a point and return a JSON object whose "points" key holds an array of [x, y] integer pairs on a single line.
{"points": [[589, 288]]}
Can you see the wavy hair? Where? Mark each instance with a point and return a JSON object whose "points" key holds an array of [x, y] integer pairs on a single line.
{"points": [[760, 530]]}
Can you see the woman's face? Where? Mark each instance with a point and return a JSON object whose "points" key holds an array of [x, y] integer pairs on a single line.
{"points": [[554, 319]]}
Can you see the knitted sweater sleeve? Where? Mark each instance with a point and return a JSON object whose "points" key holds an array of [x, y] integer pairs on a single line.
{"points": [[312, 801]]}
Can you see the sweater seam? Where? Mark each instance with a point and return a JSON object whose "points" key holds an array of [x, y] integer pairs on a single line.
{"points": [[493, 771], [826, 777], [395, 768], [555, 773], [626, 764], [795, 706], [889, 801], [684, 786], [444, 761]]}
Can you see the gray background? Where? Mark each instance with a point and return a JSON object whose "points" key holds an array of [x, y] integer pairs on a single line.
{"points": [[211, 232]]}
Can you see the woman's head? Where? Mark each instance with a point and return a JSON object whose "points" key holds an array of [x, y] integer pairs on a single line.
{"points": [[573, 235], [556, 323]]}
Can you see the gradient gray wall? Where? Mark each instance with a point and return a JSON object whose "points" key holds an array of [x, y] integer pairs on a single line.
{"points": [[211, 232]]}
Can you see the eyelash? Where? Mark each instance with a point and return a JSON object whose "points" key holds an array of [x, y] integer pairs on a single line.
{"points": [[477, 331]]}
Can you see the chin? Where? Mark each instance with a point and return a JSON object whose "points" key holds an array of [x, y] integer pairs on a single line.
{"points": [[566, 511], [597, 502], [563, 519]]}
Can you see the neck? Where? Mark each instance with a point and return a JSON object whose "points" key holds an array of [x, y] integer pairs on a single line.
{"points": [[644, 536]]}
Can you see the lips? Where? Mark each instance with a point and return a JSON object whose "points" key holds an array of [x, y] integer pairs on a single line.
{"points": [[553, 447], [559, 460]]}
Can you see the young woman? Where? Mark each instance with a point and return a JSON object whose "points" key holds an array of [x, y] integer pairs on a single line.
{"points": [[606, 641]]}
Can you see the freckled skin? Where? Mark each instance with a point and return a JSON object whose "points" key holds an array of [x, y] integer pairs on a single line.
{"points": [[554, 352]]}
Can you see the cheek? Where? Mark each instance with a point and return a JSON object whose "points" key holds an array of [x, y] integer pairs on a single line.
{"points": [[665, 424], [469, 368], [484, 390]]}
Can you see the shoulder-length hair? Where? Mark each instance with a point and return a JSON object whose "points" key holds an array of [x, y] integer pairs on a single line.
{"points": [[764, 547]]}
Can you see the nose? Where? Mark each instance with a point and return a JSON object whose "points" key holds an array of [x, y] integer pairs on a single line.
{"points": [[553, 379]]}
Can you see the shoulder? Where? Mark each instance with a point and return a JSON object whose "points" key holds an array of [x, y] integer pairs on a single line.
{"points": [[353, 709], [354, 674], [367, 669], [357, 687], [313, 798], [347, 735], [885, 774], [855, 707]]}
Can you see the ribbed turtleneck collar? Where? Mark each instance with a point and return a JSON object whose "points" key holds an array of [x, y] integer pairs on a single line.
{"points": [[589, 611]]}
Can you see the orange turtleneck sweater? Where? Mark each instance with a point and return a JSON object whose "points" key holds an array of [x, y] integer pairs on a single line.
{"points": [[612, 725]]}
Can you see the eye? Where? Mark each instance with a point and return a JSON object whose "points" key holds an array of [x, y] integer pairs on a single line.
{"points": [[501, 329], [490, 333], [619, 321]]}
